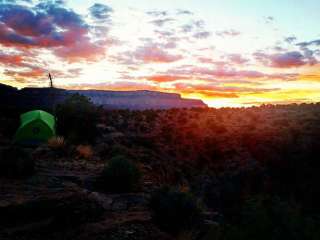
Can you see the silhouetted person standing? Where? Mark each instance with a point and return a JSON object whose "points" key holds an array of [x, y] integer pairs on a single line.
{"points": [[51, 82]]}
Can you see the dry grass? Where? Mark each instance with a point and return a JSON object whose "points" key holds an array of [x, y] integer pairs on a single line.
{"points": [[84, 151], [184, 187], [56, 143]]}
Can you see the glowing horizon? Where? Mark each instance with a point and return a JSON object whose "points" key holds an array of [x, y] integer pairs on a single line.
{"points": [[230, 53]]}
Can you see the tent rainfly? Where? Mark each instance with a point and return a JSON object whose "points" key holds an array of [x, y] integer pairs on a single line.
{"points": [[36, 127]]}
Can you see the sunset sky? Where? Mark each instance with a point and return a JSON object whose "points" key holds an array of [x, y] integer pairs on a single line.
{"points": [[227, 53]]}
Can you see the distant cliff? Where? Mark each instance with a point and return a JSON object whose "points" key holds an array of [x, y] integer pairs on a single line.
{"points": [[134, 100]]}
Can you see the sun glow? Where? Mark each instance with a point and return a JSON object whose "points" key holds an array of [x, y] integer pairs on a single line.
{"points": [[233, 58]]}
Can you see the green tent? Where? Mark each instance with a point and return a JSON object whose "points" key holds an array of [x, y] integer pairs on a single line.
{"points": [[36, 127]]}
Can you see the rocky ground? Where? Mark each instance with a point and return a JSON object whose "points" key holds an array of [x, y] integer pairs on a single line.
{"points": [[60, 202]]}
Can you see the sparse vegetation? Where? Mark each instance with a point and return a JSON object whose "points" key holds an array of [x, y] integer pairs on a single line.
{"points": [[254, 170]]}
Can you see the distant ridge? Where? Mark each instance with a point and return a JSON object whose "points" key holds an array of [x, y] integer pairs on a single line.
{"points": [[133, 100]]}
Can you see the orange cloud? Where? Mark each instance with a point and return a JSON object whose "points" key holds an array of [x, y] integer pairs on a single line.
{"points": [[166, 78]]}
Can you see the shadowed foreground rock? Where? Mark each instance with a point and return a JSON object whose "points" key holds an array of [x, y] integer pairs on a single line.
{"points": [[54, 204]]}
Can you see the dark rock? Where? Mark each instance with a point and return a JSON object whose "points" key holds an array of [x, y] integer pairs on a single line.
{"points": [[119, 206], [77, 209], [102, 199]]}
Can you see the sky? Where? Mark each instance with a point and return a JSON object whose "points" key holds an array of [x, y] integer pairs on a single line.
{"points": [[231, 53]]}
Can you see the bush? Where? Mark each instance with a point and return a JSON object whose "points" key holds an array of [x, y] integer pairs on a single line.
{"points": [[57, 144], [15, 162], [77, 119], [84, 151], [174, 211], [120, 175]]}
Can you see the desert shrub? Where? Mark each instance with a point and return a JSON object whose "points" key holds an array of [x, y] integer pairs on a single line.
{"points": [[266, 217], [15, 162], [57, 144], [120, 175], [77, 119], [84, 151], [174, 211]]}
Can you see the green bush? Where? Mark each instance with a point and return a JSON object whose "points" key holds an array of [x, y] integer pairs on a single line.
{"points": [[120, 175], [15, 162], [77, 119], [174, 211]]}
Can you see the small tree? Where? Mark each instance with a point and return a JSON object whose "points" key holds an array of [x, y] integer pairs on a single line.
{"points": [[77, 119]]}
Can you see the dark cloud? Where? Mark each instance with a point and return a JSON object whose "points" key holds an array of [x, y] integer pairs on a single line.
{"points": [[193, 26], [279, 49], [202, 35], [269, 19], [156, 13], [166, 42], [165, 33], [311, 43], [48, 25], [195, 30], [187, 28], [228, 33], [286, 60], [170, 44], [39, 27], [100, 11], [161, 22], [9, 38], [199, 24], [23, 21], [184, 12], [290, 39]]}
